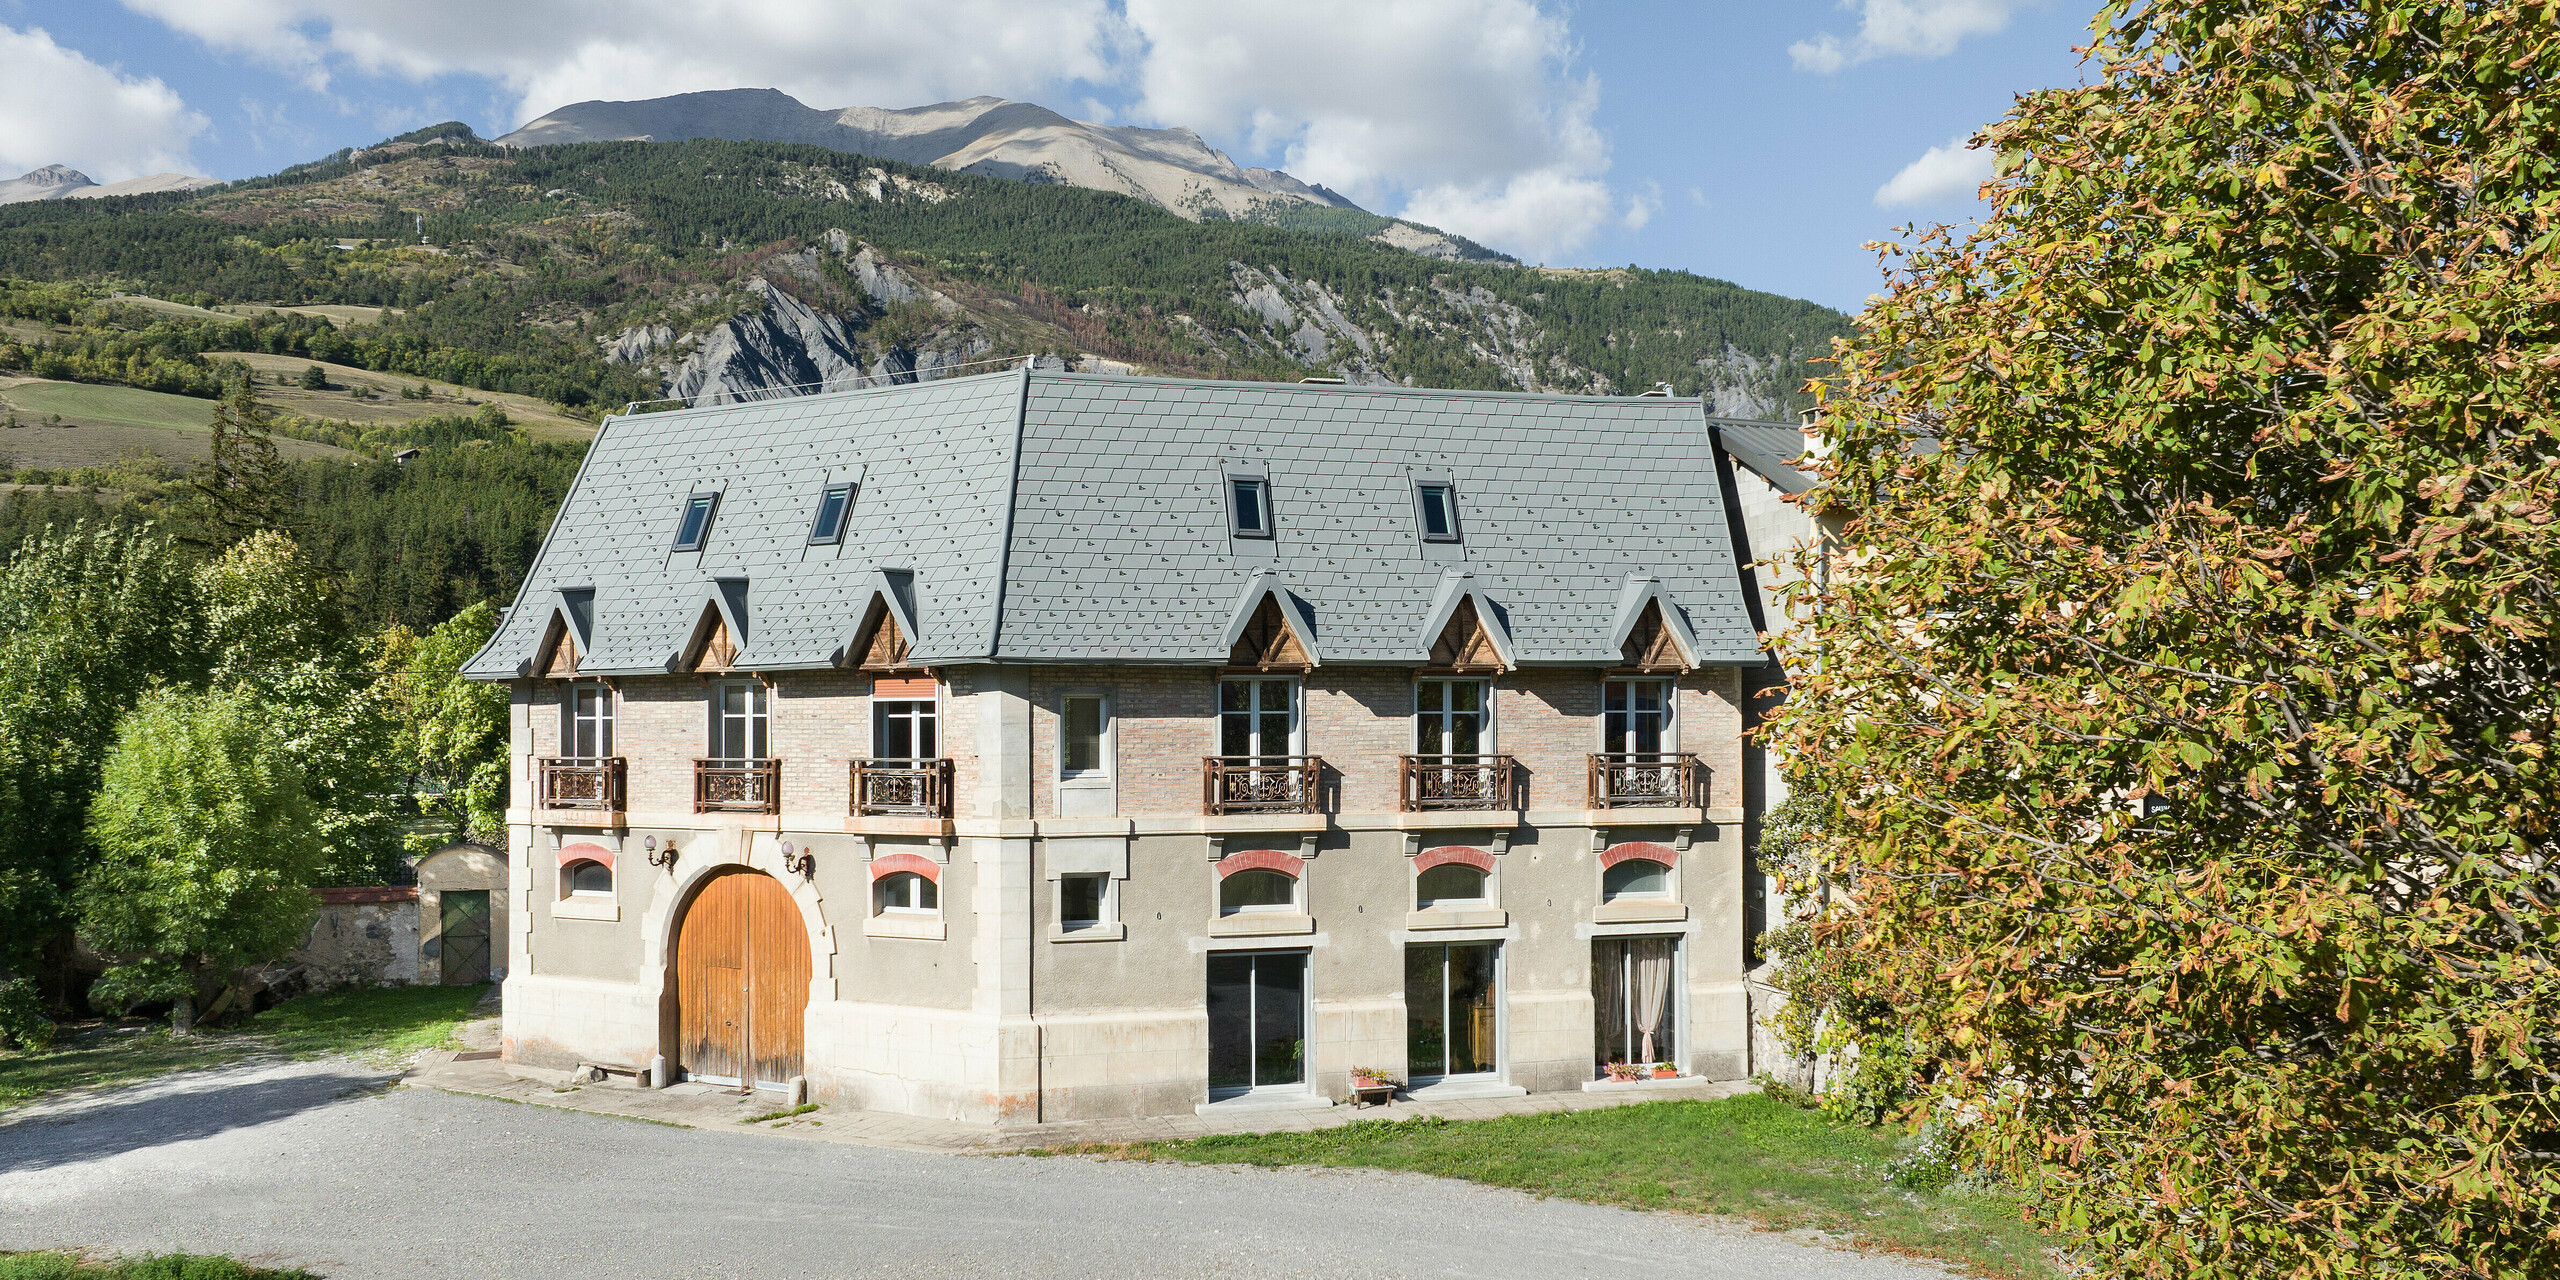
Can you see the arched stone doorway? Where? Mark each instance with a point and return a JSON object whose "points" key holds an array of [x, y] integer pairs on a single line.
{"points": [[742, 981]]}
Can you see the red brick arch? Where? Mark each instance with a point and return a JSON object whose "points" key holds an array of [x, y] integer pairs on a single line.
{"points": [[1448, 853], [897, 862], [1644, 849], [1288, 864], [585, 851]]}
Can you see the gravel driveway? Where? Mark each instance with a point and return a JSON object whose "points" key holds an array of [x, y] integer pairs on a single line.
{"points": [[336, 1168]]}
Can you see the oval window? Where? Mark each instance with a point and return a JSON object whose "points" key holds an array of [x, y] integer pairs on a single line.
{"points": [[1635, 878], [586, 877], [1449, 882], [908, 891], [1257, 891]]}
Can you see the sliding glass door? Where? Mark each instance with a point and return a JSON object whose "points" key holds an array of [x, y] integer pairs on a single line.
{"points": [[1449, 1009], [1257, 1021], [1632, 983]]}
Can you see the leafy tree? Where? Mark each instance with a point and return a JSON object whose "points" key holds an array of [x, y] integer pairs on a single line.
{"points": [[211, 849], [2191, 708], [454, 730], [243, 486], [90, 617], [279, 636], [314, 378]]}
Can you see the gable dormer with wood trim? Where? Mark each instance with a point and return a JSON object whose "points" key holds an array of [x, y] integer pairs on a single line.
{"points": [[1467, 634], [719, 631], [566, 636], [1651, 634], [884, 636], [1270, 631]]}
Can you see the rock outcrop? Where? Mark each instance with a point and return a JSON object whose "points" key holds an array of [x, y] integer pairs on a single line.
{"points": [[61, 182]]}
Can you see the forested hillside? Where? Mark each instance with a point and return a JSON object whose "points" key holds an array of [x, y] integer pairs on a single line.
{"points": [[583, 274]]}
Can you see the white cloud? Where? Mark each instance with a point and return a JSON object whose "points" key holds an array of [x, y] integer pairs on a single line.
{"points": [[1941, 175], [1464, 114], [57, 107], [549, 53], [1909, 28]]}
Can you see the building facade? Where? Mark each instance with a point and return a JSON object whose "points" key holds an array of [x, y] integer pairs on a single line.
{"points": [[1043, 746]]}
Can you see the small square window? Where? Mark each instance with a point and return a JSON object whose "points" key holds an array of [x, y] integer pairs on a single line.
{"points": [[835, 502], [1248, 507], [1083, 900], [696, 524], [1436, 505]]}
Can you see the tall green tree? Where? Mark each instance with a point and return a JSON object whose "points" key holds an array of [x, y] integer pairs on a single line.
{"points": [[90, 617], [278, 635], [453, 730], [2190, 709], [244, 485], [209, 849]]}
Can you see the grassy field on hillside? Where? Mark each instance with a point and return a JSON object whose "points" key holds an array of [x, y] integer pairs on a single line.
{"points": [[102, 424], [341, 316], [363, 396], [382, 1024], [1755, 1156]]}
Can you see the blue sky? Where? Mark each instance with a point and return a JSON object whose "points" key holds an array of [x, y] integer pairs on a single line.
{"points": [[1758, 142]]}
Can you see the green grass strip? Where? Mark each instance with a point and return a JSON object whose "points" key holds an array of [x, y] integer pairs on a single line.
{"points": [[157, 1266]]}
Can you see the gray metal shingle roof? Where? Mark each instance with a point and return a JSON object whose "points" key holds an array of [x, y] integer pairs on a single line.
{"points": [[1114, 546], [1770, 450]]}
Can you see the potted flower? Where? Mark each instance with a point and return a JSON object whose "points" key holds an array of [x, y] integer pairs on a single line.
{"points": [[1624, 1072], [1374, 1083], [1666, 1071]]}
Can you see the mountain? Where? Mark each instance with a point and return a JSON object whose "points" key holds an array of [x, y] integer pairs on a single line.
{"points": [[594, 274], [991, 137], [60, 182]]}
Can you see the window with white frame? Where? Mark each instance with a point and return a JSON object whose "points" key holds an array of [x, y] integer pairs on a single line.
{"points": [[1258, 719], [904, 729], [1085, 900], [1636, 717], [1084, 737], [586, 721], [1635, 878], [1452, 718], [907, 893], [586, 878], [1451, 884], [1257, 890], [739, 718]]}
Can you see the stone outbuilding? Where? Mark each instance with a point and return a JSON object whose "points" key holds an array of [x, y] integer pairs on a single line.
{"points": [[462, 915]]}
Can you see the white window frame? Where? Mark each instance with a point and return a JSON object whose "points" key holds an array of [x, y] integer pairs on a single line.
{"points": [[570, 719], [1486, 742], [1479, 903], [1670, 891], [1105, 747], [758, 719], [880, 723], [1109, 905], [879, 896], [1297, 713], [1670, 713]]}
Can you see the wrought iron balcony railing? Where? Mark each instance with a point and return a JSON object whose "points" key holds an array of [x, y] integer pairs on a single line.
{"points": [[751, 785], [1648, 780], [902, 788], [1456, 782], [579, 782], [1261, 784]]}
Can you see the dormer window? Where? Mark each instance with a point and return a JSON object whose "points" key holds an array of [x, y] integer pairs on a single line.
{"points": [[1436, 508], [835, 502], [1248, 507], [696, 524]]}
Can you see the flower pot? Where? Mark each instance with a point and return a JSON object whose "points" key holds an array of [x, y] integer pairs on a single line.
{"points": [[1666, 1073]]}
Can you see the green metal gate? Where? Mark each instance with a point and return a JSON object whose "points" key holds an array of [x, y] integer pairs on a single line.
{"points": [[465, 935]]}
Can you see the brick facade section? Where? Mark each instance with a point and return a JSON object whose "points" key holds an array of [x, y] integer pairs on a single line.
{"points": [[894, 863], [1287, 864], [1644, 850], [1449, 853]]}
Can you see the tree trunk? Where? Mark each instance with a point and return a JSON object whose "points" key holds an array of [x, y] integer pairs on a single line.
{"points": [[182, 1015]]}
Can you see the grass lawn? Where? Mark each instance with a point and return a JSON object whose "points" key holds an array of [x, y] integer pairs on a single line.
{"points": [[380, 1024], [163, 1266], [85, 402], [1753, 1156]]}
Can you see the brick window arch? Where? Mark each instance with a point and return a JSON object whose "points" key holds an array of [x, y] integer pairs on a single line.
{"points": [[1645, 849], [1287, 864], [1448, 853], [898, 862]]}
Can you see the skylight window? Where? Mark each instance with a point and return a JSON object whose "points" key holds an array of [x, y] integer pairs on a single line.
{"points": [[834, 504], [1248, 507], [1436, 506], [696, 524]]}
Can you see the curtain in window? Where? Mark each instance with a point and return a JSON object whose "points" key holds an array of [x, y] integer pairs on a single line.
{"points": [[1652, 978], [1609, 993]]}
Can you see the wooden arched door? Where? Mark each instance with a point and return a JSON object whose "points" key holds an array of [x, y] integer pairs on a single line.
{"points": [[742, 981]]}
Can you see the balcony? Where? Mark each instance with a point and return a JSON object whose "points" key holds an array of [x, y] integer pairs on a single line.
{"points": [[737, 785], [1433, 783], [1648, 780], [902, 788], [1261, 784], [579, 782]]}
